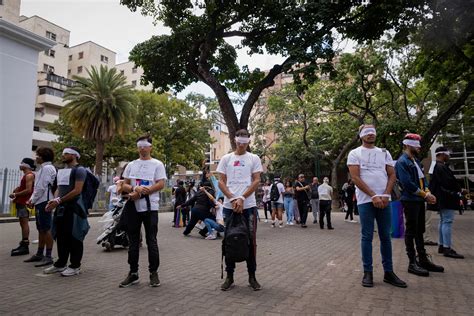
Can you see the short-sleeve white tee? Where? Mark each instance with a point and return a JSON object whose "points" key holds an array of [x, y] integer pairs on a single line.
{"points": [[145, 173], [372, 163], [239, 170], [113, 192], [281, 189]]}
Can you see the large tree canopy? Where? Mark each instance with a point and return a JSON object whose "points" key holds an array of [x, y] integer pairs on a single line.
{"points": [[302, 32]]}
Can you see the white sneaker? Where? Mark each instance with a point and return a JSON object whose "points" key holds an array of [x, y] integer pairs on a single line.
{"points": [[280, 226], [71, 272], [346, 220], [265, 221], [211, 237], [291, 223], [354, 221], [53, 269]]}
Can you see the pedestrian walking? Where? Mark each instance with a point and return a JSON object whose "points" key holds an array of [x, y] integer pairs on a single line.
{"points": [[20, 197], [143, 179], [267, 203], [325, 200], [239, 178], [372, 171], [42, 194], [415, 192]]}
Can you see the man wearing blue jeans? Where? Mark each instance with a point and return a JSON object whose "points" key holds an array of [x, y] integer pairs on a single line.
{"points": [[372, 172], [446, 188], [239, 177]]}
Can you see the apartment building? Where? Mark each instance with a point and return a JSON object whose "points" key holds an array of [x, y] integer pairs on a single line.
{"points": [[133, 75], [85, 55], [10, 10]]}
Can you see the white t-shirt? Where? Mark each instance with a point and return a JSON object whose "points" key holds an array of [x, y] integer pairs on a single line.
{"points": [[113, 193], [145, 173], [239, 170], [373, 171], [281, 189], [266, 193], [325, 192]]}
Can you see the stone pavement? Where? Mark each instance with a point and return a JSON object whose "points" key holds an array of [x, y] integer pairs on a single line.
{"points": [[303, 272]]}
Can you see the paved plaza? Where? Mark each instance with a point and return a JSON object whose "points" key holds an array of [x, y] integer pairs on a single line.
{"points": [[302, 271]]}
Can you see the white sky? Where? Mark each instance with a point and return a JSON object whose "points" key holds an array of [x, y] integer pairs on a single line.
{"points": [[114, 26]]}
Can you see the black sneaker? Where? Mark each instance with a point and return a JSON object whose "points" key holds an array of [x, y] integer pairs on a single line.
{"points": [[154, 280], [21, 250], [425, 262], [131, 279], [228, 283], [34, 258], [441, 249], [254, 284], [450, 253], [391, 278]]}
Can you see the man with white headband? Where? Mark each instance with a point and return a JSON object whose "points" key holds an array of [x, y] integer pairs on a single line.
{"points": [[143, 180], [372, 172], [239, 178], [20, 196], [448, 192], [415, 193], [69, 223]]}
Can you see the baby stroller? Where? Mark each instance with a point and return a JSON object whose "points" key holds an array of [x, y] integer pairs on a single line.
{"points": [[113, 234]]}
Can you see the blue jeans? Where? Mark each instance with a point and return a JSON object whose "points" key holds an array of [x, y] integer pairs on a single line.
{"points": [[445, 223], [367, 214], [211, 224], [250, 215], [288, 204]]}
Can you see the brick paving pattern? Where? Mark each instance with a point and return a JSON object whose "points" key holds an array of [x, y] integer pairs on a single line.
{"points": [[303, 272]]}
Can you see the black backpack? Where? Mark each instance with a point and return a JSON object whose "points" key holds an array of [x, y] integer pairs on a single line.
{"points": [[274, 192], [235, 245], [90, 188]]}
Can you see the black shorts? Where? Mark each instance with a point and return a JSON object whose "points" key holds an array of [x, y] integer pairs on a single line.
{"points": [[43, 218]]}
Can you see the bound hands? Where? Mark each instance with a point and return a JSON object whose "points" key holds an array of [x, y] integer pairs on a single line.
{"points": [[430, 198], [238, 205], [378, 201], [138, 191]]}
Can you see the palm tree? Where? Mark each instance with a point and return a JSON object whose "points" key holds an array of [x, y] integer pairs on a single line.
{"points": [[100, 107]]}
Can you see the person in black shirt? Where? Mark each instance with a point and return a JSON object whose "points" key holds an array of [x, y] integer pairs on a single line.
{"points": [[349, 199], [302, 197], [201, 209], [315, 199], [180, 198]]}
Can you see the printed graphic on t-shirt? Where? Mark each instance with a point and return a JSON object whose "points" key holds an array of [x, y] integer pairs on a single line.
{"points": [[143, 171], [372, 159], [64, 176]]}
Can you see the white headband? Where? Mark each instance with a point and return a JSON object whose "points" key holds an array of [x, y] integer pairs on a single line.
{"points": [[25, 165], [242, 140], [367, 131], [72, 152], [443, 152], [412, 143], [143, 143]]}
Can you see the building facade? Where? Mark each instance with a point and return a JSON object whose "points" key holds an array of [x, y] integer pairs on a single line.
{"points": [[133, 75]]}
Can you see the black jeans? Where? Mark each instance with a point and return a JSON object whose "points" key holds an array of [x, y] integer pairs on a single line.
{"points": [[185, 215], [134, 223], [68, 246], [196, 216], [250, 215], [350, 209], [414, 212], [303, 208], [325, 209], [267, 207]]}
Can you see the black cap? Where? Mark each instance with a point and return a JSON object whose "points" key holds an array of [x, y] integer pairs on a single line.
{"points": [[30, 162]]}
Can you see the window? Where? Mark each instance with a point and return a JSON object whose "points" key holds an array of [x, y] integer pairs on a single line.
{"points": [[47, 68], [51, 35], [34, 147], [36, 128], [81, 55], [50, 52], [134, 70], [122, 72], [69, 71], [51, 91], [134, 83], [70, 57], [79, 69], [104, 59]]}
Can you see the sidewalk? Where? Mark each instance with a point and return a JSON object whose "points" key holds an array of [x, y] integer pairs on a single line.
{"points": [[302, 271]]}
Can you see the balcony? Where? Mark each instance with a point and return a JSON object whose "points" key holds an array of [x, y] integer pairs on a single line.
{"points": [[44, 137], [51, 100], [54, 81], [46, 118]]}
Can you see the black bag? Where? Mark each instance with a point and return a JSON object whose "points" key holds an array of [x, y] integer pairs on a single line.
{"points": [[274, 193], [89, 189], [396, 193], [235, 245]]}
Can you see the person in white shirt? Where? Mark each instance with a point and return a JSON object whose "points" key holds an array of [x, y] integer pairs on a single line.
{"points": [[42, 194], [267, 204], [325, 200], [113, 195], [239, 178], [144, 178], [372, 172], [277, 205]]}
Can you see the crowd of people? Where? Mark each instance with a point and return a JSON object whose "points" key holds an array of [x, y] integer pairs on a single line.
{"points": [[60, 199]]}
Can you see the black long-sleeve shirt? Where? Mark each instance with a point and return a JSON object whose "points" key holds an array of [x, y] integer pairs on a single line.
{"points": [[201, 201], [445, 187]]}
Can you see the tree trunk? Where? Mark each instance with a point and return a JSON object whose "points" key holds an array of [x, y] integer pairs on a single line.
{"points": [[99, 157]]}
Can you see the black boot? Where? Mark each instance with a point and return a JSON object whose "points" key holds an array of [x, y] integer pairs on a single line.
{"points": [[368, 279], [253, 282], [22, 249], [391, 278], [450, 253], [415, 269], [425, 262], [228, 283]]}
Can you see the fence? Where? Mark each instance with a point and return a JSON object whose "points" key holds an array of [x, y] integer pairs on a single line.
{"points": [[10, 179]]}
